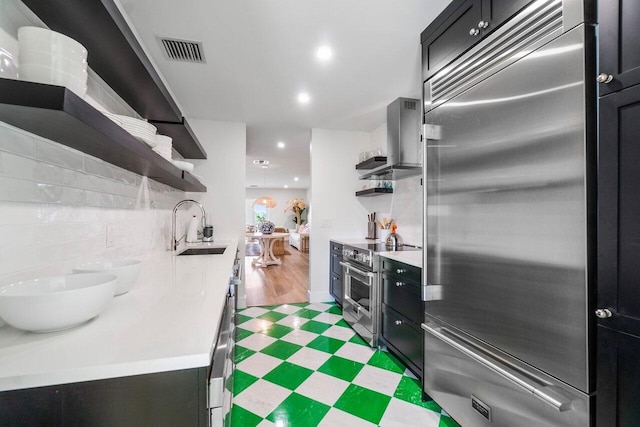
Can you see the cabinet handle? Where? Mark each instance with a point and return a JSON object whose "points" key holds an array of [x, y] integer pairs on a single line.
{"points": [[483, 24], [398, 322], [401, 271], [603, 313], [398, 284], [604, 78], [474, 32]]}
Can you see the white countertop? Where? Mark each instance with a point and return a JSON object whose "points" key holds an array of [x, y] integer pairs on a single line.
{"points": [[409, 257], [168, 321]]}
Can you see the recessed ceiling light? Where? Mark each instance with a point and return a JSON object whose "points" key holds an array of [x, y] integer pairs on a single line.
{"points": [[324, 53], [295, 178], [304, 98], [286, 186], [280, 144]]}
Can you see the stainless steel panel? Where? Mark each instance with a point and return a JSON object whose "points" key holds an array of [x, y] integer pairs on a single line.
{"points": [[403, 132], [506, 211], [457, 370]]}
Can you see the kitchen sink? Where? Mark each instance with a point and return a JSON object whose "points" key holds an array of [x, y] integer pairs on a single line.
{"points": [[203, 251]]}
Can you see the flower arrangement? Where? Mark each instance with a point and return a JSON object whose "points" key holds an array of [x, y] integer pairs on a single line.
{"points": [[386, 223], [297, 206]]}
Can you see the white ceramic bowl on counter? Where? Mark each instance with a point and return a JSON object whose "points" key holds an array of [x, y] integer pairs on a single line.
{"points": [[127, 271], [56, 303]]}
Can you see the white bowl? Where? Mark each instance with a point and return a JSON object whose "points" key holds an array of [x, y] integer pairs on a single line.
{"points": [[127, 271], [67, 65], [36, 38], [185, 166], [56, 303], [45, 72], [47, 75]]}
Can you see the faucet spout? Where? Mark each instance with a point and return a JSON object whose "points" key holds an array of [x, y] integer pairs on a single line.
{"points": [[174, 241]]}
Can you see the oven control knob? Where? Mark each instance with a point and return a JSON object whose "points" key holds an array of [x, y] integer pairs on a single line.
{"points": [[364, 258]]}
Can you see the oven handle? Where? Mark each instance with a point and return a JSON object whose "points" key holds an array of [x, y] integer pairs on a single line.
{"points": [[364, 273], [556, 402]]}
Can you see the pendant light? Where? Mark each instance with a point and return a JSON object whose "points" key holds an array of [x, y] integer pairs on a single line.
{"points": [[266, 201]]}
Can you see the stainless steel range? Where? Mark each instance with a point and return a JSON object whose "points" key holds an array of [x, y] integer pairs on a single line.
{"points": [[361, 303]]}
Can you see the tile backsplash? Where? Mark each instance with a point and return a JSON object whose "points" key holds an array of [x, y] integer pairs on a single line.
{"points": [[60, 207]]}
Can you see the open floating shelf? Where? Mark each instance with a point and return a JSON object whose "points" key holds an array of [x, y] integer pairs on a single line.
{"points": [[117, 57], [374, 192], [372, 163], [56, 113]]}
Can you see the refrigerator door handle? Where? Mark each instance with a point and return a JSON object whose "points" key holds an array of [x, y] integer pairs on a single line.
{"points": [[556, 401]]}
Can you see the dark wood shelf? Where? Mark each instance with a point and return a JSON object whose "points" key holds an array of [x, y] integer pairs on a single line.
{"points": [[118, 58], [372, 163], [56, 113], [184, 139], [374, 192], [393, 173]]}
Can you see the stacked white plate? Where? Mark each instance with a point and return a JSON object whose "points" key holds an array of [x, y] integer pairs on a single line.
{"points": [[164, 146], [45, 56], [185, 166], [141, 129]]}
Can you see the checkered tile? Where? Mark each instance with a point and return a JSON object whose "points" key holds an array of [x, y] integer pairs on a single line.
{"points": [[301, 365]]}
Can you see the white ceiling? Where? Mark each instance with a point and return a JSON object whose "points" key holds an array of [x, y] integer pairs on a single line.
{"points": [[261, 53]]}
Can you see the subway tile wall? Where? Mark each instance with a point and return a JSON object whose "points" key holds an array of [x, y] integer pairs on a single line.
{"points": [[60, 207]]}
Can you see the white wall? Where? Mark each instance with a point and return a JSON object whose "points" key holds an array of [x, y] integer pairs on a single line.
{"points": [[223, 173], [277, 215], [336, 210], [338, 213]]}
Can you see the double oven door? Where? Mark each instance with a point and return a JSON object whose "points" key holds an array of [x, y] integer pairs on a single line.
{"points": [[361, 305]]}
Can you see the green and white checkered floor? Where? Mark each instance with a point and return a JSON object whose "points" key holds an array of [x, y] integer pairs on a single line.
{"points": [[301, 365]]}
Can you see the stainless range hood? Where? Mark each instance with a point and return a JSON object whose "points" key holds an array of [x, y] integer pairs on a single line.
{"points": [[404, 156]]}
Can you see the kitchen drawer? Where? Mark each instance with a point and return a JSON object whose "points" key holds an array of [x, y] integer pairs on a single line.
{"points": [[335, 247], [403, 297], [405, 272], [403, 338], [335, 259], [335, 287]]}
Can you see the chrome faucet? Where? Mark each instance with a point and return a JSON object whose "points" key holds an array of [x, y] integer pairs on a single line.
{"points": [[174, 242]]}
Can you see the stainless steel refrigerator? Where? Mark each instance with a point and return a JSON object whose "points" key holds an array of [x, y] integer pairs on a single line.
{"points": [[509, 224]]}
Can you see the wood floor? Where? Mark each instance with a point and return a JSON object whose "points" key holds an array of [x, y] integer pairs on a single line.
{"points": [[277, 284]]}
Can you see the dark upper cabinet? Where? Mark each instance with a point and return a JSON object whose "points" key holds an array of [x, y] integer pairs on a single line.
{"points": [[460, 26], [496, 12], [618, 336], [450, 34], [619, 40]]}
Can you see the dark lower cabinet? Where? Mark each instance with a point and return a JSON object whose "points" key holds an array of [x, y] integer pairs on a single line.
{"points": [[618, 381], [175, 398], [403, 339], [335, 272], [402, 312]]}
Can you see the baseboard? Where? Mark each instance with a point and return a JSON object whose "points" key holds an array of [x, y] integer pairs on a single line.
{"points": [[319, 296]]}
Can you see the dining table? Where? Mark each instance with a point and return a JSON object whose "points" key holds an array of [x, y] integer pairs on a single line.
{"points": [[266, 257]]}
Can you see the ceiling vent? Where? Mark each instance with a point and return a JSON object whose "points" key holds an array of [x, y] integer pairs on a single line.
{"points": [[182, 50]]}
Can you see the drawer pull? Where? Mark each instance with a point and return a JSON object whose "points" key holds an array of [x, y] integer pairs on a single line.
{"points": [[401, 270], [398, 322], [398, 284]]}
